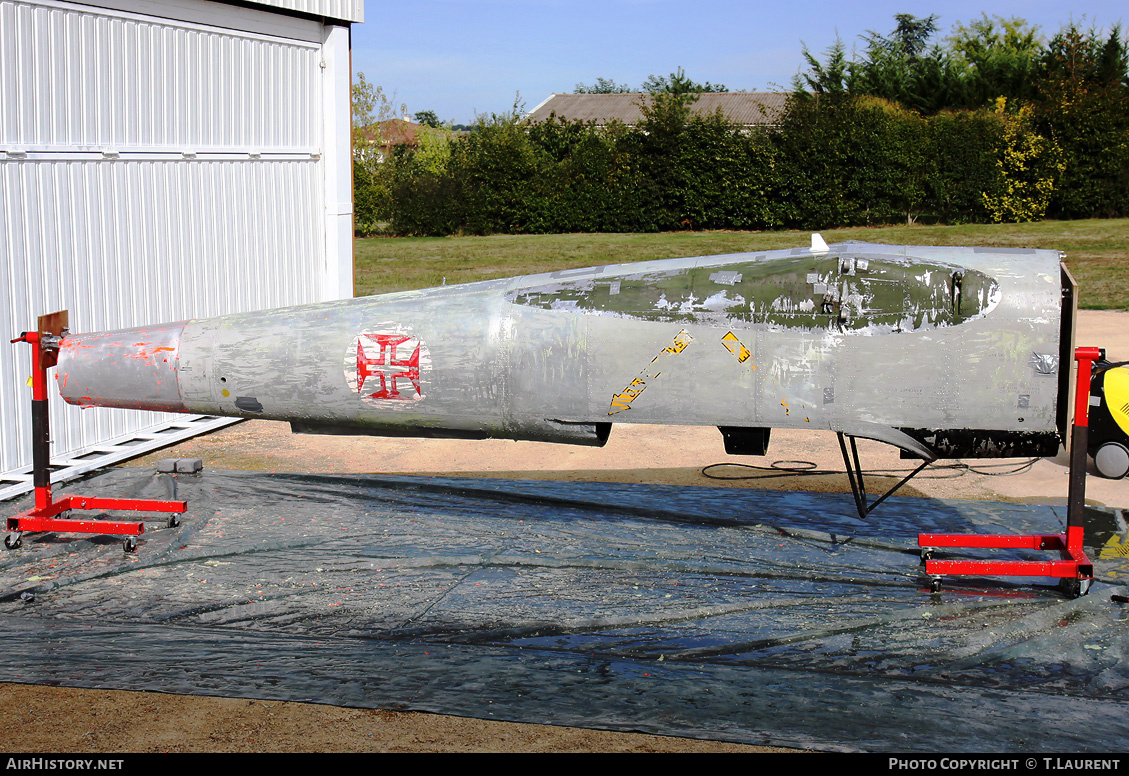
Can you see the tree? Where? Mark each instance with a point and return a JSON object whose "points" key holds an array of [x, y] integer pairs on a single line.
{"points": [[900, 67], [428, 118], [830, 81], [1029, 166], [604, 86], [1082, 102], [371, 180], [1113, 60], [679, 83], [658, 146], [903, 68], [908, 40], [998, 57], [370, 107]]}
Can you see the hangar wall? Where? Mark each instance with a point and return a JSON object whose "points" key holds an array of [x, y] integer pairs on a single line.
{"points": [[162, 161]]}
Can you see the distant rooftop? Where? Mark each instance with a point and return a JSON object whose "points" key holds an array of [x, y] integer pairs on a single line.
{"points": [[747, 108]]}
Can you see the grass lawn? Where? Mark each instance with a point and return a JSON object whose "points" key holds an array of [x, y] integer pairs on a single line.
{"points": [[1097, 252]]}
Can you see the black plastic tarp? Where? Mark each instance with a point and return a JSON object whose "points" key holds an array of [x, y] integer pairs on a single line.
{"points": [[730, 614]]}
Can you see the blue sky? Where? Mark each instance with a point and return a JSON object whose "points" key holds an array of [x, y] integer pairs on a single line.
{"points": [[460, 58]]}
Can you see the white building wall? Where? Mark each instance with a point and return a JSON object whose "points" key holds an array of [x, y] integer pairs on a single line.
{"points": [[154, 169], [345, 10]]}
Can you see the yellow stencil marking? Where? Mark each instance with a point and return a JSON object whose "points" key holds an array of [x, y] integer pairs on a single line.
{"points": [[1114, 548], [735, 346], [681, 340], [622, 400]]}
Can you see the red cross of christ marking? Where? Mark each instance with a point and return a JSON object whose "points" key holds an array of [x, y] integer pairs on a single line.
{"points": [[386, 367]]}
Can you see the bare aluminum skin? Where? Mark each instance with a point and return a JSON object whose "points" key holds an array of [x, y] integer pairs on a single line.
{"points": [[871, 340]]}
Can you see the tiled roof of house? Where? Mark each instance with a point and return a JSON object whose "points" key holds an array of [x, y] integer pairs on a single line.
{"points": [[392, 132], [748, 108], [397, 131]]}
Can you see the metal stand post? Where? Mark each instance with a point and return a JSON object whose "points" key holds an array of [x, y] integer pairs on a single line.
{"points": [[45, 515], [1074, 570]]}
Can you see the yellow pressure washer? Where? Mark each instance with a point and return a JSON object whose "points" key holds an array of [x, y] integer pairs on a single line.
{"points": [[1109, 418]]}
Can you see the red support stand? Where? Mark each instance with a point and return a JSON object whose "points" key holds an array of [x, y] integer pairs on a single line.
{"points": [[1074, 570], [44, 515]]}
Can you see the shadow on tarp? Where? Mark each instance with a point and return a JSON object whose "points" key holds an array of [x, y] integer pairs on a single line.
{"points": [[741, 615]]}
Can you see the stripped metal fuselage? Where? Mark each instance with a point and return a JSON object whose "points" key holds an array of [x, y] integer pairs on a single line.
{"points": [[940, 351]]}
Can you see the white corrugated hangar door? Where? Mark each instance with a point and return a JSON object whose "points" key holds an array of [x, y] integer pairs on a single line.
{"points": [[151, 170]]}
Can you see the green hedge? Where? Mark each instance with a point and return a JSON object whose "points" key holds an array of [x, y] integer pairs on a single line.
{"points": [[855, 161]]}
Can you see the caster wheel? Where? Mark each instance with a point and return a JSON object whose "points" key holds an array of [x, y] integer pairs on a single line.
{"points": [[13, 541], [130, 544], [1112, 460], [174, 521], [1075, 588]]}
